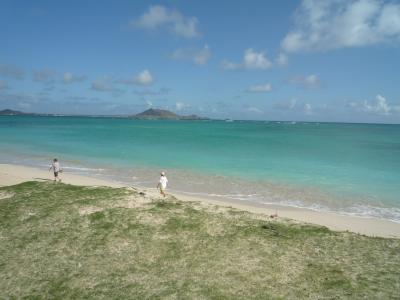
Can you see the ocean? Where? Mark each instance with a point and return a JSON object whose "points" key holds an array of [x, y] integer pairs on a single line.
{"points": [[346, 168]]}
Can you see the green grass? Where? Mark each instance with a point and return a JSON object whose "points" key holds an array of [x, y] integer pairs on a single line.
{"points": [[60, 241]]}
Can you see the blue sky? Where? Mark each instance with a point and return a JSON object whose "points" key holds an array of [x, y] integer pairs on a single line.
{"points": [[309, 60]]}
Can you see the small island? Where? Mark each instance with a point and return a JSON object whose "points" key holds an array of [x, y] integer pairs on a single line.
{"points": [[162, 114], [10, 112]]}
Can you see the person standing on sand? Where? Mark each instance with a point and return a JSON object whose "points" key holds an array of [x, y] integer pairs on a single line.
{"points": [[55, 166], [162, 183]]}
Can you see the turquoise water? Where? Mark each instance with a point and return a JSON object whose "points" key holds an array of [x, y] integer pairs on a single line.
{"points": [[350, 168]]}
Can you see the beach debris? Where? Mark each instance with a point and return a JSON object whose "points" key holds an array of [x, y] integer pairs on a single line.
{"points": [[275, 215]]}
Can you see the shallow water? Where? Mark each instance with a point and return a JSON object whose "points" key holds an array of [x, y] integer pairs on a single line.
{"points": [[350, 168]]}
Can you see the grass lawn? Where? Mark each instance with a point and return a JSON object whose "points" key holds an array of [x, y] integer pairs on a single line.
{"points": [[61, 241]]}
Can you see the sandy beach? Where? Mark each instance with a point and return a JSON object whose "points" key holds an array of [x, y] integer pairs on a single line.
{"points": [[14, 174]]}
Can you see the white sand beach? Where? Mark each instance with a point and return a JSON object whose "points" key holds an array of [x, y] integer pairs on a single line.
{"points": [[14, 174]]}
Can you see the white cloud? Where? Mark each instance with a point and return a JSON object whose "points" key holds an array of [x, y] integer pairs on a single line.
{"points": [[261, 88], [11, 72], [197, 56], [149, 104], [3, 85], [143, 78], [227, 65], [308, 109], [309, 81], [253, 109], [44, 75], [181, 106], [379, 106], [102, 84], [288, 105], [282, 59], [295, 105], [333, 24], [252, 60], [161, 17], [70, 78]]}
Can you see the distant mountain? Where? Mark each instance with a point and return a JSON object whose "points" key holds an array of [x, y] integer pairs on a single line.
{"points": [[9, 112], [156, 114], [162, 114]]}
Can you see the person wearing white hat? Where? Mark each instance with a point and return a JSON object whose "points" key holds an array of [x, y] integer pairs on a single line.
{"points": [[162, 183]]}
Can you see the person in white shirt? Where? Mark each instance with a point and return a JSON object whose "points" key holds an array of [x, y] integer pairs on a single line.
{"points": [[162, 183], [55, 166]]}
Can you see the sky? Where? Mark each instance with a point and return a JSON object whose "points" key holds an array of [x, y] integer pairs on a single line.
{"points": [[310, 60]]}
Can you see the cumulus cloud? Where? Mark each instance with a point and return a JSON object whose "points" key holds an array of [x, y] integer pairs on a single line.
{"points": [[160, 17], [3, 85], [286, 105], [143, 78], [379, 106], [253, 109], [11, 72], [197, 56], [252, 60], [295, 105], [181, 106], [102, 85], [332, 24], [282, 59], [307, 109], [260, 88], [149, 104], [70, 78], [44, 75], [309, 81]]}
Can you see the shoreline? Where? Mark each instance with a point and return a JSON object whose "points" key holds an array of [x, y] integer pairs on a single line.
{"points": [[13, 174]]}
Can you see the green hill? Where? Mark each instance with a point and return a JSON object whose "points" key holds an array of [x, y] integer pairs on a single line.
{"points": [[61, 241]]}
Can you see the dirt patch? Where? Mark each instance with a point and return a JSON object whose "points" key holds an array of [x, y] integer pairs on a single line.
{"points": [[5, 195], [83, 211]]}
